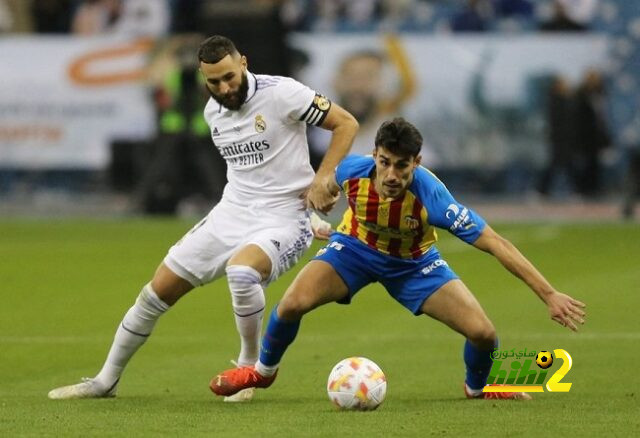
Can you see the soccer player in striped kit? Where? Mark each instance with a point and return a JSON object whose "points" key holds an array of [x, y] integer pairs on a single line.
{"points": [[261, 227], [388, 235]]}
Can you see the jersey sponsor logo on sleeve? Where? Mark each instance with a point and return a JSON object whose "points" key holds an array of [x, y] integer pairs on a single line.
{"points": [[452, 211], [317, 111], [462, 220]]}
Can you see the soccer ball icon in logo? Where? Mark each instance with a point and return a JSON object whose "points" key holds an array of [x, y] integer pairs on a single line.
{"points": [[357, 383], [544, 359]]}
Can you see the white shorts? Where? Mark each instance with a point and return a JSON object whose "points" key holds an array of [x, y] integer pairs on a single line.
{"points": [[202, 254]]}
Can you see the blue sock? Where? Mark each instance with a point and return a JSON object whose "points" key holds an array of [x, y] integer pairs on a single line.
{"points": [[478, 364], [279, 335]]}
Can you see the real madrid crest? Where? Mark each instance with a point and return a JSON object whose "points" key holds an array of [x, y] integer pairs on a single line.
{"points": [[260, 125], [321, 102]]}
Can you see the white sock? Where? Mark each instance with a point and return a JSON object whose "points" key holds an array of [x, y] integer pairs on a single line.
{"points": [[248, 302], [132, 332], [266, 371]]}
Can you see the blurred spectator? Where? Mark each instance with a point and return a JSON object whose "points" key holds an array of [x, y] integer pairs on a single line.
{"points": [[396, 13], [474, 17], [581, 12], [327, 14], [184, 15], [94, 17], [15, 16], [560, 136], [6, 17], [296, 15], [182, 163], [512, 15], [52, 16], [513, 8], [560, 21], [361, 13], [592, 130], [149, 18]]}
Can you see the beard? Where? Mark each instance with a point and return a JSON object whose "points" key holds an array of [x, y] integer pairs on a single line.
{"points": [[233, 100]]}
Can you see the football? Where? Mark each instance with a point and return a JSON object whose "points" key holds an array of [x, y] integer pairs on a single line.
{"points": [[357, 383], [544, 359]]}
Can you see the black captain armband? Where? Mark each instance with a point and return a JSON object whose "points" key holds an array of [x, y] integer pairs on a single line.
{"points": [[317, 111]]}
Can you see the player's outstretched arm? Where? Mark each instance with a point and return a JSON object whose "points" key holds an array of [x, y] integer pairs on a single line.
{"points": [[563, 309], [323, 194]]}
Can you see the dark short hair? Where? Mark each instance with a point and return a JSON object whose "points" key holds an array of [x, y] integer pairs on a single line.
{"points": [[214, 48], [399, 137]]}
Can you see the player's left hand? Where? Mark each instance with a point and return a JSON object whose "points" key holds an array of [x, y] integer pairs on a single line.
{"points": [[321, 229], [565, 310]]}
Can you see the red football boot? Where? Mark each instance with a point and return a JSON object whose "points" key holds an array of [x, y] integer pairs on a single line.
{"points": [[234, 380], [498, 395]]}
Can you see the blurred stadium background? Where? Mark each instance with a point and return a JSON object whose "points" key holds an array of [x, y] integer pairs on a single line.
{"points": [[519, 100]]}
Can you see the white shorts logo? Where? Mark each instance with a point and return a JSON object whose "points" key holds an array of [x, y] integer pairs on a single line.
{"points": [[336, 245], [434, 265]]}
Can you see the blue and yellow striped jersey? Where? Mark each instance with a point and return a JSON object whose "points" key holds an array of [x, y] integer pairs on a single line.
{"points": [[404, 227]]}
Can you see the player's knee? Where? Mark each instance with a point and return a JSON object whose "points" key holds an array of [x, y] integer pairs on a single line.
{"points": [[483, 335], [294, 305], [149, 305], [242, 279]]}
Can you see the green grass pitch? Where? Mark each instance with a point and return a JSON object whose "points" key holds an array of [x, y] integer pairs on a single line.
{"points": [[65, 285]]}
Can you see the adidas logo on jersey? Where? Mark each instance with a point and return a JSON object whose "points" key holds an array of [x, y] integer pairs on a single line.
{"points": [[215, 132], [276, 244]]}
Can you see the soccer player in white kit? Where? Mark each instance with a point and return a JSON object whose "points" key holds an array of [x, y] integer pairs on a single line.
{"points": [[261, 226]]}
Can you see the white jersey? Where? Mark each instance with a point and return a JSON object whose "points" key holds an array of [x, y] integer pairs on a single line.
{"points": [[264, 142]]}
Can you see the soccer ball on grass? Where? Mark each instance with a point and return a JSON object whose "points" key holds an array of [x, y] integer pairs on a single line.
{"points": [[357, 383]]}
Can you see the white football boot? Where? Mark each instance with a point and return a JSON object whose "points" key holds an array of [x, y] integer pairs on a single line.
{"points": [[88, 388], [241, 396]]}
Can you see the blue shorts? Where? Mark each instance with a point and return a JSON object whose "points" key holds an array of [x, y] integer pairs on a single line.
{"points": [[408, 281]]}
